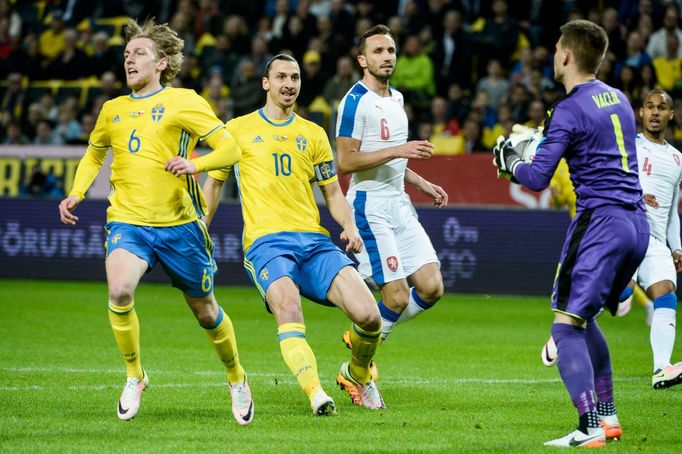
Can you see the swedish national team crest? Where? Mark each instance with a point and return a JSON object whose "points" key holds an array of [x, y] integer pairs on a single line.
{"points": [[264, 274], [301, 143], [157, 112]]}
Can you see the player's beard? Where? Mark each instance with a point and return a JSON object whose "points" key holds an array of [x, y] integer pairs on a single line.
{"points": [[380, 76]]}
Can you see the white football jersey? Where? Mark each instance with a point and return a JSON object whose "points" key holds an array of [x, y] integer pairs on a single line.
{"points": [[660, 173], [377, 122]]}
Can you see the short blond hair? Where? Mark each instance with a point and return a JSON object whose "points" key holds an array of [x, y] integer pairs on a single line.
{"points": [[167, 42]]}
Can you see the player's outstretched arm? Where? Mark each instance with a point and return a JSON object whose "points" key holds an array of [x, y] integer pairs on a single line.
{"points": [[349, 159], [438, 194], [212, 188], [342, 214], [87, 171], [226, 153]]}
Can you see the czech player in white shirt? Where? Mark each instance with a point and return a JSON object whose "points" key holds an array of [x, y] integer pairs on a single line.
{"points": [[371, 143], [660, 174]]}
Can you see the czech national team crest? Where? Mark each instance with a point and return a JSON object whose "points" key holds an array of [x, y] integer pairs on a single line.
{"points": [[392, 263], [301, 143], [157, 112]]}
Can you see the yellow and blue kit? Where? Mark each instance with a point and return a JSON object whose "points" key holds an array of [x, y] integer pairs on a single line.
{"points": [[282, 232]]}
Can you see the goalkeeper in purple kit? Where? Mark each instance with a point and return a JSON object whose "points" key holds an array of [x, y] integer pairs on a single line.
{"points": [[593, 128]]}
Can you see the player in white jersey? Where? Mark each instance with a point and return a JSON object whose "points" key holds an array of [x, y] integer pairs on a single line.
{"points": [[372, 144], [660, 174]]}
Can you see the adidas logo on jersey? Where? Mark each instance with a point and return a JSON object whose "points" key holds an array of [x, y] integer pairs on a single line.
{"points": [[116, 119], [258, 139]]}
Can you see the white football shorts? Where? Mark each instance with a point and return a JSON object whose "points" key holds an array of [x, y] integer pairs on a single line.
{"points": [[657, 265], [396, 244]]}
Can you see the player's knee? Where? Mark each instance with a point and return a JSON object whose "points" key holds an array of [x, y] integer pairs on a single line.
{"points": [[397, 299], [431, 291], [371, 321], [120, 294]]}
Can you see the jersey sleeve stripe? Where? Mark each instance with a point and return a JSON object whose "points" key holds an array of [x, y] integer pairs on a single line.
{"points": [[350, 107], [102, 147], [368, 237], [210, 132]]}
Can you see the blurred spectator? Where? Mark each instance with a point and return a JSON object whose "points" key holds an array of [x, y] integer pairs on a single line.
{"points": [[471, 133], [636, 56], [259, 56], [103, 58], [49, 108], [615, 31], [280, 19], [223, 57], [45, 134], [7, 10], [311, 78], [499, 36], [236, 30], [536, 114], [88, 122], [668, 66], [68, 128], [34, 114], [37, 182], [658, 42], [502, 127], [538, 84], [52, 39], [207, 18], [627, 81], [71, 63], [494, 84], [442, 124], [451, 53], [518, 101], [341, 21], [246, 93], [522, 69], [182, 24], [345, 77], [15, 96], [14, 134], [319, 8], [458, 103], [295, 37], [412, 20], [214, 89], [414, 73], [647, 79]]}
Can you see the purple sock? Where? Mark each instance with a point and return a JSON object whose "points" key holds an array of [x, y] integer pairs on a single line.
{"points": [[575, 366], [601, 361]]}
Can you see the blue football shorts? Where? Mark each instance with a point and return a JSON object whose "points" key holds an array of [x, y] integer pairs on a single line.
{"points": [[311, 260], [184, 251]]}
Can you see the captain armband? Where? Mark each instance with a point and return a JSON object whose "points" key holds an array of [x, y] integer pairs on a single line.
{"points": [[324, 171]]}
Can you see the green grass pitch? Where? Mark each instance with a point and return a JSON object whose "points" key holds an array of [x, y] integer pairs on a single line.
{"points": [[464, 377]]}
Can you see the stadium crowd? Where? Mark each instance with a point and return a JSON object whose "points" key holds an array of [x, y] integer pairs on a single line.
{"points": [[469, 69]]}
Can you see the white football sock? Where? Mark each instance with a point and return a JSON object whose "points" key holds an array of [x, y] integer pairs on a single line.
{"points": [[662, 337], [415, 306]]}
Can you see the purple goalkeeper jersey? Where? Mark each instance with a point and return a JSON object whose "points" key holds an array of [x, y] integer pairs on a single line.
{"points": [[593, 128]]}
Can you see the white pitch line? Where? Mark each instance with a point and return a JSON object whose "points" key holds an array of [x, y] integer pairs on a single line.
{"points": [[282, 378]]}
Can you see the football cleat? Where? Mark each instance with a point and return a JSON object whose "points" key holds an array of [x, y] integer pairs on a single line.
{"points": [[242, 403], [549, 353], [611, 426], [667, 377], [323, 405], [579, 439], [373, 370], [366, 395], [129, 403]]}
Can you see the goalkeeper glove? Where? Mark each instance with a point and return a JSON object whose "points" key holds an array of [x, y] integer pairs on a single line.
{"points": [[505, 158]]}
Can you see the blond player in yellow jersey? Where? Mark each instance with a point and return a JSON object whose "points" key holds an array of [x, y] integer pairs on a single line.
{"points": [[154, 216], [287, 252]]}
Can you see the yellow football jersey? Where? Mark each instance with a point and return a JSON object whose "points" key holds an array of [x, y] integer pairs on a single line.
{"points": [[279, 164], [144, 132], [561, 186]]}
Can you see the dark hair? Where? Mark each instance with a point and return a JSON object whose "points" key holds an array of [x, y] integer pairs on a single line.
{"points": [[376, 30], [588, 42], [285, 57]]}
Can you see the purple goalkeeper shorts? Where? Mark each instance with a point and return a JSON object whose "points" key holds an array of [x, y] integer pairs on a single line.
{"points": [[603, 248]]}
